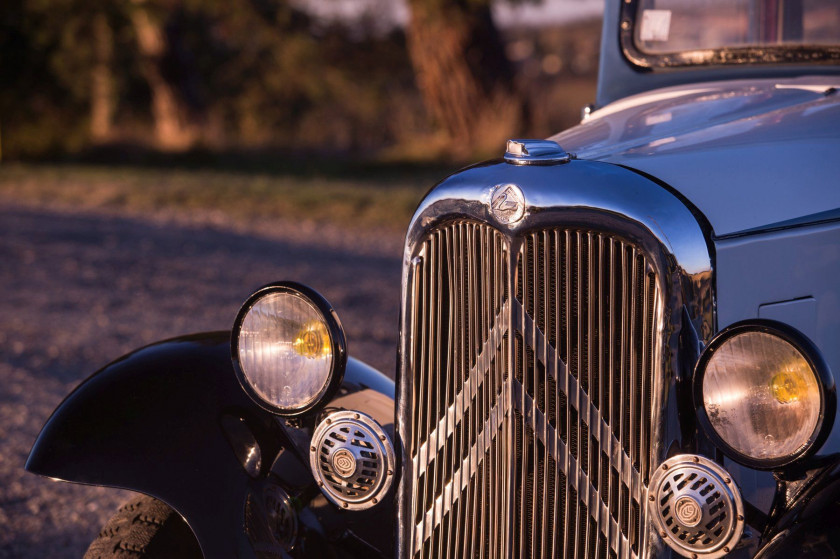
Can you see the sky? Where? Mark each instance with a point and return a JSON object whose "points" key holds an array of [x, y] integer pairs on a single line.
{"points": [[383, 15]]}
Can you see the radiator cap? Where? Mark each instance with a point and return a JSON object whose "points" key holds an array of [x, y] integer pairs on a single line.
{"points": [[535, 152]]}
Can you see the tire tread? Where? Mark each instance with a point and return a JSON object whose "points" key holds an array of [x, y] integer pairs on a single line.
{"points": [[144, 528]]}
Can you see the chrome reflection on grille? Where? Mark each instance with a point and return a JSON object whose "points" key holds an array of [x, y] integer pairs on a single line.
{"points": [[531, 423], [461, 317]]}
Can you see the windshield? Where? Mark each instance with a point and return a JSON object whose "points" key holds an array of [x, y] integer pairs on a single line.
{"points": [[665, 27]]}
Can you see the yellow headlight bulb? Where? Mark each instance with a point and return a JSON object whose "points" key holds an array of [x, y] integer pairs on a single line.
{"points": [[791, 384], [786, 387], [312, 340]]}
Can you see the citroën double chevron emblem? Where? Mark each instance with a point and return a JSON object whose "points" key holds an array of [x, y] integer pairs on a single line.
{"points": [[507, 203]]}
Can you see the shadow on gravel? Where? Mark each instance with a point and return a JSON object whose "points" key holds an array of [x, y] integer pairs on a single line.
{"points": [[81, 290]]}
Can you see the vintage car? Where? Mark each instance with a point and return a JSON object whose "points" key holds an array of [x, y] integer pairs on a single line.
{"points": [[622, 347]]}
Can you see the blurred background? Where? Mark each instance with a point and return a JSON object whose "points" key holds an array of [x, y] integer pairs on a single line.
{"points": [[299, 88], [376, 79], [161, 159]]}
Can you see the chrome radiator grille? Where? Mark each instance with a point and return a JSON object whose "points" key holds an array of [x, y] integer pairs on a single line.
{"points": [[533, 371]]}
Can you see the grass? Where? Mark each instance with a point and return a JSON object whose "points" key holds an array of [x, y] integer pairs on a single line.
{"points": [[366, 196]]}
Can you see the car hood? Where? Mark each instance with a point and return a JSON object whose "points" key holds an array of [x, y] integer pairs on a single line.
{"points": [[751, 155]]}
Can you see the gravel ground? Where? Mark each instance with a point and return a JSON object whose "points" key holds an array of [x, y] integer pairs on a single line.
{"points": [[80, 289]]}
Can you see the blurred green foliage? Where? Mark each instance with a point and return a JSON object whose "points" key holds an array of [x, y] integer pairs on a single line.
{"points": [[245, 73], [83, 77]]}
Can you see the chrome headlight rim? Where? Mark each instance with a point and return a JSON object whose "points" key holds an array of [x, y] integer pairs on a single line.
{"points": [[824, 381], [338, 345]]}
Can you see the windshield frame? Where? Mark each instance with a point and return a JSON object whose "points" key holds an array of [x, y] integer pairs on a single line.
{"points": [[728, 56]]}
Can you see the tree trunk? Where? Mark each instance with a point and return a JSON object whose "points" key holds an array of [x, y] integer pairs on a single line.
{"points": [[463, 73], [102, 80], [171, 115]]}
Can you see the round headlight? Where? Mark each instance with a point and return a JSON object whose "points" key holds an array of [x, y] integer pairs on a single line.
{"points": [[764, 394], [288, 348]]}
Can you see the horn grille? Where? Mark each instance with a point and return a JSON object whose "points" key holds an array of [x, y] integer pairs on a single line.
{"points": [[352, 459], [696, 506]]}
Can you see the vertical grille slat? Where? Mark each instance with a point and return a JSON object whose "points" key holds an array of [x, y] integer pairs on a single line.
{"points": [[532, 420], [565, 356], [550, 397]]}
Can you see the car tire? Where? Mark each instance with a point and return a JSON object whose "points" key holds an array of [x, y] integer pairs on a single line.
{"points": [[145, 528]]}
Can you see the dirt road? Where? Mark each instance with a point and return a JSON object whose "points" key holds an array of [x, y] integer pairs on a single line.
{"points": [[78, 290]]}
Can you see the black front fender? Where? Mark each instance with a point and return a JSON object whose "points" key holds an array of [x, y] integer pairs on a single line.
{"points": [[152, 422], [808, 527]]}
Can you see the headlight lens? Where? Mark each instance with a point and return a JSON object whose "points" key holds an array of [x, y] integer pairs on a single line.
{"points": [[288, 348], [763, 393]]}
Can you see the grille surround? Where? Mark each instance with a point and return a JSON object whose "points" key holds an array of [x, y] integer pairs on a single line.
{"points": [[623, 205]]}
